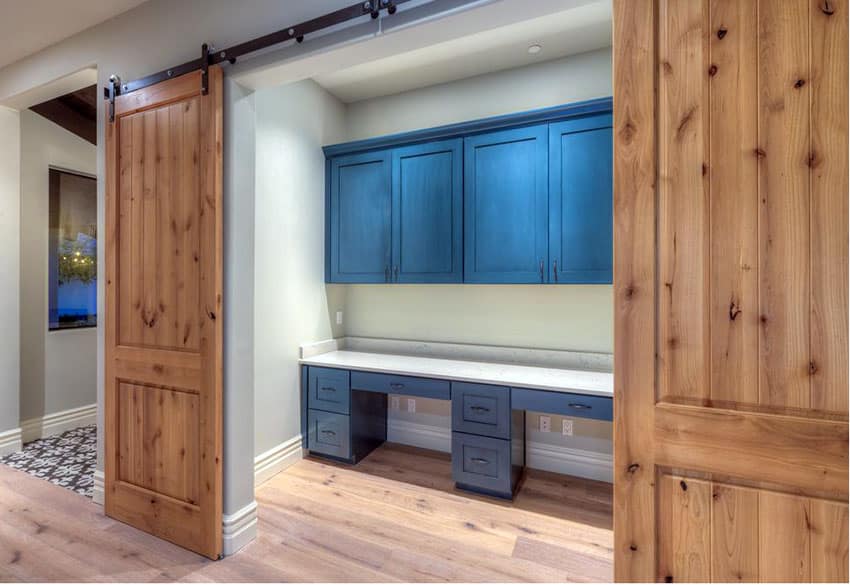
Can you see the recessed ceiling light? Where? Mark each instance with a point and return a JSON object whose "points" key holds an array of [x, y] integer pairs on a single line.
{"points": [[534, 49]]}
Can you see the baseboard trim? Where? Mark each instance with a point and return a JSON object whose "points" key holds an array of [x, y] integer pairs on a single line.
{"points": [[238, 529], [98, 493], [544, 456], [10, 441], [276, 459], [58, 422]]}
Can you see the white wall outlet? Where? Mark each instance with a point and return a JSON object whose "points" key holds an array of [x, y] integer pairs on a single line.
{"points": [[567, 427], [545, 424], [394, 403], [411, 405], [339, 317]]}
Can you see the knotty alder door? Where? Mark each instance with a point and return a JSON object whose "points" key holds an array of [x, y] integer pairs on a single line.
{"points": [[163, 414], [730, 230]]}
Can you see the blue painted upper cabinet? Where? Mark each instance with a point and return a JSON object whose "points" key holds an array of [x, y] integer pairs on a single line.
{"points": [[360, 226], [428, 212], [506, 206], [581, 200]]}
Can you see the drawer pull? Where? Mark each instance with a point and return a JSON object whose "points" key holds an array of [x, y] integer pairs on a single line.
{"points": [[479, 460], [479, 409], [579, 406], [328, 389], [397, 386], [331, 433]]}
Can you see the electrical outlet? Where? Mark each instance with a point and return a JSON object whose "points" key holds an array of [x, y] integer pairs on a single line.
{"points": [[339, 317], [567, 427], [545, 424], [411, 405], [394, 403]]}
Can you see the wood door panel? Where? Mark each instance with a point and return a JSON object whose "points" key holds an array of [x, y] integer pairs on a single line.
{"points": [[159, 441], [731, 297], [163, 419], [710, 531], [158, 278]]}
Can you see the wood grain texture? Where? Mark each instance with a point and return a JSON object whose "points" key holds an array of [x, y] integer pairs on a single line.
{"points": [[683, 203], [829, 522], [734, 534], [163, 427], [733, 173], [829, 196], [395, 517], [784, 538], [634, 289], [684, 518]]}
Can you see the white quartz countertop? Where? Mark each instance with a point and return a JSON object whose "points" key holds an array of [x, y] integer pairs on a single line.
{"points": [[552, 379]]}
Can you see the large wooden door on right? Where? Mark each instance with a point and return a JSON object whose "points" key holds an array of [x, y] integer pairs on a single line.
{"points": [[731, 290]]}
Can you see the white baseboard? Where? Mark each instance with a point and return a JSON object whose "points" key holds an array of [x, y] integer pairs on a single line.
{"points": [[238, 529], [276, 459], [58, 422], [98, 493], [10, 441], [544, 456]]}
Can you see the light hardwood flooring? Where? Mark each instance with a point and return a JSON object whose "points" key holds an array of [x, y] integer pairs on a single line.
{"points": [[394, 517]]}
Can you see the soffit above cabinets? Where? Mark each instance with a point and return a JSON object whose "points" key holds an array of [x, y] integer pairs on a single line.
{"points": [[577, 30]]}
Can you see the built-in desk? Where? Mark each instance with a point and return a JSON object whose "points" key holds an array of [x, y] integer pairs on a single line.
{"points": [[344, 407]]}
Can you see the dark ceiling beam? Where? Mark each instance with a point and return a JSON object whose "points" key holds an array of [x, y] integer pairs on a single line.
{"points": [[76, 112]]}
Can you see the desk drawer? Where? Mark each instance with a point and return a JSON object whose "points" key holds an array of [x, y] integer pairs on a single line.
{"points": [[408, 385], [329, 433], [564, 403], [329, 390], [481, 409], [482, 464]]}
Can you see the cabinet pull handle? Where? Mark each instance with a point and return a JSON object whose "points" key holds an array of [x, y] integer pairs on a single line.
{"points": [[479, 460], [396, 386], [555, 269], [542, 277], [328, 389], [387, 273], [578, 406], [479, 409], [331, 433], [396, 273]]}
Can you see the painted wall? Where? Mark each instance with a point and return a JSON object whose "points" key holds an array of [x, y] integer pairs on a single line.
{"points": [[292, 305], [58, 368], [10, 201]]}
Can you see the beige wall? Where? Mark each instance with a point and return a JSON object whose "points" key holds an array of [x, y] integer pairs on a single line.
{"points": [[10, 229], [292, 305], [58, 368]]}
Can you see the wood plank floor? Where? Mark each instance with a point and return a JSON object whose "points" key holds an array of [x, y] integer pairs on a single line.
{"points": [[393, 517]]}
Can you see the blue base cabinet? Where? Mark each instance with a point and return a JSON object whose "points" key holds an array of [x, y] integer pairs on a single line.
{"points": [[519, 199]]}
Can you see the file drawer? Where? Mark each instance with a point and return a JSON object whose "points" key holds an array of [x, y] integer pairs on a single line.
{"points": [[329, 433], [485, 464]]}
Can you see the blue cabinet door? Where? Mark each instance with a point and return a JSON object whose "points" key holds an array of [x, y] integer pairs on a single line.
{"points": [[581, 201], [428, 212], [506, 206], [360, 230]]}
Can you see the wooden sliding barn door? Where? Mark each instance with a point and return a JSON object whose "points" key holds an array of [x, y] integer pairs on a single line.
{"points": [[731, 376], [163, 414]]}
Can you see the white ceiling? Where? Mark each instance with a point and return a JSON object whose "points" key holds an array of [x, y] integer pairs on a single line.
{"points": [[27, 26], [576, 30]]}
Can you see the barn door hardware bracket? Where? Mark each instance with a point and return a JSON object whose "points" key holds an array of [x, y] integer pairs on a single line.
{"points": [[297, 32], [109, 93]]}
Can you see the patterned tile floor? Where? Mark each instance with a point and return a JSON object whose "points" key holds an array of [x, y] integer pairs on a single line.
{"points": [[67, 460]]}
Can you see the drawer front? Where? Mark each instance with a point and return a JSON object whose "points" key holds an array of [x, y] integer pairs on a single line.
{"points": [[481, 409], [483, 463], [329, 390], [574, 405], [329, 433], [390, 384]]}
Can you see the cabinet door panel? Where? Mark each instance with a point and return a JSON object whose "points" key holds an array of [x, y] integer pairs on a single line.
{"points": [[505, 204], [428, 212], [361, 216], [581, 201]]}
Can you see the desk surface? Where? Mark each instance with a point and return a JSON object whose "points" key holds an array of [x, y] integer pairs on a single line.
{"points": [[552, 379]]}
